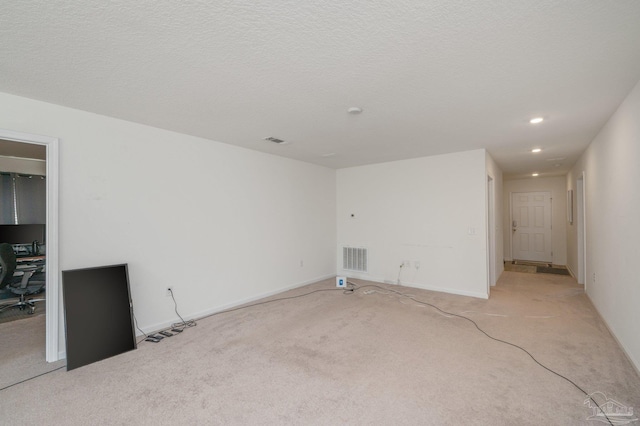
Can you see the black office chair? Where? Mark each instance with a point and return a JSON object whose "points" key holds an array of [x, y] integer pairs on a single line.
{"points": [[22, 282]]}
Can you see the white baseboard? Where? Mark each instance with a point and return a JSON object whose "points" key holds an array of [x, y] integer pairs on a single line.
{"points": [[366, 277], [447, 290], [201, 314], [421, 286], [634, 363]]}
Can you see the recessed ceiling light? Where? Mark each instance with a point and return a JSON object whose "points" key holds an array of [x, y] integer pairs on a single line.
{"points": [[536, 120], [355, 110], [534, 174], [535, 150]]}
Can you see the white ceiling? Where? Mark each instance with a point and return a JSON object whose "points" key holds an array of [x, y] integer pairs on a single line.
{"points": [[431, 76]]}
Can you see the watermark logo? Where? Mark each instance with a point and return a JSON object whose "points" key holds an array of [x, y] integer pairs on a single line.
{"points": [[610, 410]]}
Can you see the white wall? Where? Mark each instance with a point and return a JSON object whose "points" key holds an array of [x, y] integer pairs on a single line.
{"points": [[496, 174], [612, 172], [418, 210], [558, 187], [220, 224]]}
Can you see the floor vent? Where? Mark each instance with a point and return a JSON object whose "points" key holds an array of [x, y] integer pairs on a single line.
{"points": [[354, 259]]}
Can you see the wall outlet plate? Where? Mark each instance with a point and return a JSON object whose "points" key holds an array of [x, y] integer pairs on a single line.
{"points": [[341, 282]]}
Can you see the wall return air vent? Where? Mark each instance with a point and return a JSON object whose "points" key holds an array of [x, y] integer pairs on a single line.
{"points": [[354, 259]]}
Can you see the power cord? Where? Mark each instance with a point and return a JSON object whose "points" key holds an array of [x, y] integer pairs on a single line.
{"points": [[354, 287], [450, 314], [399, 272], [135, 320], [31, 378], [184, 324], [349, 290], [192, 323], [178, 325]]}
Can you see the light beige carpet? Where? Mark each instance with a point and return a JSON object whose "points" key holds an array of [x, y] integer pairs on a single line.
{"points": [[13, 314], [508, 266], [22, 350], [364, 358]]}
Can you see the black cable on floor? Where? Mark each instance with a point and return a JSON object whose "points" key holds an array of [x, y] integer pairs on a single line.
{"points": [[192, 323], [345, 291], [351, 290], [181, 325], [135, 320], [31, 378], [493, 338]]}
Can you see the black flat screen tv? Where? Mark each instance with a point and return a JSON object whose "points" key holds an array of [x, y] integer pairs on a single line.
{"points": [[22, 234], [98, 314]]}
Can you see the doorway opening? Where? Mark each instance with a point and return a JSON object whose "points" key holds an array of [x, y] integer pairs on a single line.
{"points": [[52, 270]]}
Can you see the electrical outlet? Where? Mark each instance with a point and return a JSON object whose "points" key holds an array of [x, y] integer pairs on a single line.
{"points": [[169, 291], [594, 277]]}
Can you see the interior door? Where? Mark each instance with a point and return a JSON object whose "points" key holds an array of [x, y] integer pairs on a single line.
{"points": [[531, 226]]}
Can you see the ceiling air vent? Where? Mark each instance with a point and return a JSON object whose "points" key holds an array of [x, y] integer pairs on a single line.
{"points": [[274, 140]]}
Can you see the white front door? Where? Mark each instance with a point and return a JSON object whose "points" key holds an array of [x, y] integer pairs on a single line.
{"points": [[531, 226]]}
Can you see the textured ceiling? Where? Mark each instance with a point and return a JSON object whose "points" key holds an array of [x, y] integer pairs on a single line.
{"points": [[431, 76]]}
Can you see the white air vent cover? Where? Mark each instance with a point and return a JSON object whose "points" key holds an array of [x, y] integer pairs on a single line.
{"points": [[354, 259], [275, 140]]}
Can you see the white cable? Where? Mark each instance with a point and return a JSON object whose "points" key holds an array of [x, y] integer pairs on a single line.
{"points": [[541, 316], [484, 313], [400, 273]]}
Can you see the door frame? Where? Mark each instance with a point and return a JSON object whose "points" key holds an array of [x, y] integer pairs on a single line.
{"points": [[581, 229], [491, 232], [52, 272]]}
